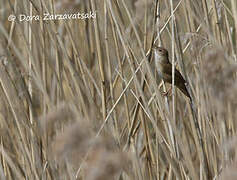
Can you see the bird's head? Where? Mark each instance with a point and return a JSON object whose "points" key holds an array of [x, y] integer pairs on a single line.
{"points": [[160, 51], [161, 54]]}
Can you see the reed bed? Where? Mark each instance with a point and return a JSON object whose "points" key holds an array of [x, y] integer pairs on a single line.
{"points": [[81, 99]]}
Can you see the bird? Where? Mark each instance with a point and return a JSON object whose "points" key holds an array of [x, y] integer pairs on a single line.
{"points": [[164, 69]]}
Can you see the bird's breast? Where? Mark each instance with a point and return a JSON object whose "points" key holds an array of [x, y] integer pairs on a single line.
{"points": [[160, 69]]}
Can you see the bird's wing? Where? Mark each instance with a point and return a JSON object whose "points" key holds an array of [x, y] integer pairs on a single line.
{"points": [[167, 69], [179, 80]]}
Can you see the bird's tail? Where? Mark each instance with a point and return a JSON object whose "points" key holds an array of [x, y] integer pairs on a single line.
{"points": [[182, 87]]}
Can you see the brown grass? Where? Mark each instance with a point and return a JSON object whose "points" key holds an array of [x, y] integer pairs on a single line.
{"points": [[80, 99]]}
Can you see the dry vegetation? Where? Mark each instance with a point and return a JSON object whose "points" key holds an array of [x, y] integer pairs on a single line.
{"points": [[80, 99]]}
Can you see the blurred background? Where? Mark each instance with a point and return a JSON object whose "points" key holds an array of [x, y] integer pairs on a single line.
{"points": [[81, 99]]}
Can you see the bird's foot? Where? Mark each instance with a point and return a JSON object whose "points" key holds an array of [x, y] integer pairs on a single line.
{"points": [[167, 93]]}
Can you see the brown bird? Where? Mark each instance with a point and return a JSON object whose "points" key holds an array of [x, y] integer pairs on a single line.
{"points": [[164, 69]]}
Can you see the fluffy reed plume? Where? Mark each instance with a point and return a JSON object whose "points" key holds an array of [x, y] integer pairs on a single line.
{"points": [[76, 145], [220, 91], [58, 116], [219, 73], [98, 67], [229, 171], [219, 78]]}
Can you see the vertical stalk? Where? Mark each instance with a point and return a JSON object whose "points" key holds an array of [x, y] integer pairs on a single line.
{"points": [[216, 22], [101, 65], [110, 70]]}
